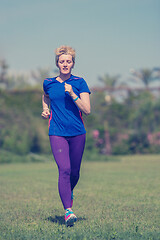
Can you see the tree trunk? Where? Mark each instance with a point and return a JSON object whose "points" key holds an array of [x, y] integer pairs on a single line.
{"points": [[108, 148]]}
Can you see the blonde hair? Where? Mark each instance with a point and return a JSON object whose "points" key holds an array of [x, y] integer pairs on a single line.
{"points": [[64, 50]]}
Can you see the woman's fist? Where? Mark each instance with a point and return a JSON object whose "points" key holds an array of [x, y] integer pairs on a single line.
{"points": [[45, 114], [68, 88]]}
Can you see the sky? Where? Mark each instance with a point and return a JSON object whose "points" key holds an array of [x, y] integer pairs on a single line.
{"points": [[109, 36]]}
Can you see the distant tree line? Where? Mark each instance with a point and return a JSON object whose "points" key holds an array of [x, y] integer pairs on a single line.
{"points": [[125, 117]]}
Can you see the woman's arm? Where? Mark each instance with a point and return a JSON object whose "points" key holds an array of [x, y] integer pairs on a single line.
{"points": [[83, 102], [45, 105]]}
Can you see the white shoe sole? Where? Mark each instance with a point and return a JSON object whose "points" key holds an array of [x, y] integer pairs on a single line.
{"points": [[71, 220]]}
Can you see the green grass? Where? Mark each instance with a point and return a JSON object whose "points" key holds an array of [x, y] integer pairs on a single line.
{"points": [[113, 200]]}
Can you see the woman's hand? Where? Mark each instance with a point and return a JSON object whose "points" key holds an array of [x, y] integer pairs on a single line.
{"points": [[68, 88], [45, 114]]}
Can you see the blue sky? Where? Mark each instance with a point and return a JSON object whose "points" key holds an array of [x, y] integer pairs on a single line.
{"points": [[110, 36]]}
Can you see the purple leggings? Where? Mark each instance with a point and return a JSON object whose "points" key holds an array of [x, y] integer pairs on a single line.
{"points": [[67, 152]]}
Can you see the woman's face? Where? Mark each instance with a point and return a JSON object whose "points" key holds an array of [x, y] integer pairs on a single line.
{"points": [[65, 64]]}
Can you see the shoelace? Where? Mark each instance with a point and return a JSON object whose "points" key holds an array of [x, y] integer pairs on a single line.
{"points": [[68, 212]]}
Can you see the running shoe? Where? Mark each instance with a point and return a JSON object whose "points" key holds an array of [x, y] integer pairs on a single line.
{"points": [[70, 218]]}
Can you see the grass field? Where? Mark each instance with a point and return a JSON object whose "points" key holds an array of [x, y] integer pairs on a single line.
{"points": [[113, 200]]}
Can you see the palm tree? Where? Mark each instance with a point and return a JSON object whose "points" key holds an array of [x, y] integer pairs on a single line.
{"points": [[145, 75], [109, 83]]}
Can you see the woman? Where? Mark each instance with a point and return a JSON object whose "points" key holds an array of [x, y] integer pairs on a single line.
{"points": [[68, 97]]}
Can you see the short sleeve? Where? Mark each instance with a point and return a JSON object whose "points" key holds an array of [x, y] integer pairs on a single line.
{"points": [[84, 87], [45, 88]]}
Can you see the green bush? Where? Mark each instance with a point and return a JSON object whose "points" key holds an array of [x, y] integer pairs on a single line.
{"points": [[121, 149], [10, 157], [94, 156], [138, 143], [22, 130], [15, 141]]}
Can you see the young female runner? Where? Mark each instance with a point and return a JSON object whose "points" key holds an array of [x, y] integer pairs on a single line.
{"points": [[68, 97]]}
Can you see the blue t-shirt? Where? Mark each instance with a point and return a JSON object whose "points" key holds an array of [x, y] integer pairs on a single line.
{"points": [[65, 118]]}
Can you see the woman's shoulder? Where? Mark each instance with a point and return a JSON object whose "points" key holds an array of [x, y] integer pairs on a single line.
{"points": [[47, 81], [81, 84], [77, 78]]}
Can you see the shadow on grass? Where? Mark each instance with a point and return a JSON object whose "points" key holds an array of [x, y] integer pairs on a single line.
{"points": [[60, 219]]}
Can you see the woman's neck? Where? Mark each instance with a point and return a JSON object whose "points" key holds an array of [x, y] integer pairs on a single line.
{"points": [[64, 77]]}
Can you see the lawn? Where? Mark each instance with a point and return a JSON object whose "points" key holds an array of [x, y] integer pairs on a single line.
{"points": [[113, 200]]}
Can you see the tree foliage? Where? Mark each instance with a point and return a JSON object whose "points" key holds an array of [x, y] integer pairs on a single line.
{"points": [[114, 127]]}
